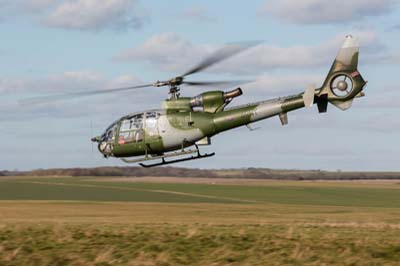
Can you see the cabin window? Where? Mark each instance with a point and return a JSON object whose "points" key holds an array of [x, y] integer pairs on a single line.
{"points": [[131, 130], [152, 123]]}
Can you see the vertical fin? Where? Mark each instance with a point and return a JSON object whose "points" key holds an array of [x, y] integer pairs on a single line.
{"points": [[348, 54]]}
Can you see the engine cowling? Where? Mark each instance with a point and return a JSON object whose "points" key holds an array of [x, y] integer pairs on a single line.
{"points": [[214, 101]]}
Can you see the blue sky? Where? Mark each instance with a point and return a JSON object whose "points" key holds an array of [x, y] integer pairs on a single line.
{"points": [[55, 46]]}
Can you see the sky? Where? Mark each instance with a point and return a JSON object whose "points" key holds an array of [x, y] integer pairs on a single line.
{"points": [[50, 47]]}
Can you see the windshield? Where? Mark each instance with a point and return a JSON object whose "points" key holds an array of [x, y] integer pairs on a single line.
{"points": [[109, 134], [131, 127]]}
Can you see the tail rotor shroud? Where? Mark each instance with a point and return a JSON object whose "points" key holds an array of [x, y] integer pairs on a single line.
{"points": [[342, 85]]}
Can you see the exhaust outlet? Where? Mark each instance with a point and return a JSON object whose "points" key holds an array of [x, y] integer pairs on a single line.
{"points": [[232, 94]]}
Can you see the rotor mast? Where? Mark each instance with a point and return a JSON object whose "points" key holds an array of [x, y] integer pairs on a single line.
{"points": [[174, 92]]}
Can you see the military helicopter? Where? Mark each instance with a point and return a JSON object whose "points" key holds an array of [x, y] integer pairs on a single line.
{"points": [[175, 132]]}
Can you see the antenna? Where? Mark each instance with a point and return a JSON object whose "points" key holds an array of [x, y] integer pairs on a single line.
{"points": [[91, 132]]}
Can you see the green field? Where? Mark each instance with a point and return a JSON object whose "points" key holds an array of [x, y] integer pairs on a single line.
{"points": [[106, 221]]}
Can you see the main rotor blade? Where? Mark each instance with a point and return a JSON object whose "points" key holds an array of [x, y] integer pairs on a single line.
{"points": [[216, 83], [221, 54], [58, 97]]}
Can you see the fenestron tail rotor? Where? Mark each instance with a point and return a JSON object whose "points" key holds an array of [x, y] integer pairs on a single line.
{"points": [[173, 84], [342, 85]]}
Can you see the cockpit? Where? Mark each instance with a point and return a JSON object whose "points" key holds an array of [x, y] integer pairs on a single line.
{"points": [[129, 129]]}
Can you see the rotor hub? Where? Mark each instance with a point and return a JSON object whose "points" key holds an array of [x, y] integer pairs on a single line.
{"points": [[176, 81], [342, 85]]}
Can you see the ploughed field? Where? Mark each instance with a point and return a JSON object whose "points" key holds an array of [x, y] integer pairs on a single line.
{"points": [[182, 221]]}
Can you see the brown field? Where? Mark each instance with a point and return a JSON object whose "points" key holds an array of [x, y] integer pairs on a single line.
{"points": [[36, 212]]}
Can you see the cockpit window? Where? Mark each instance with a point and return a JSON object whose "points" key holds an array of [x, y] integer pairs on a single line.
{"points": [[131, 129], [109, 134]]}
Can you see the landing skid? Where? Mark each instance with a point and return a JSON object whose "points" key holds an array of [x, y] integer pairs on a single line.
{"points": [[164, 162], [173, 154]]}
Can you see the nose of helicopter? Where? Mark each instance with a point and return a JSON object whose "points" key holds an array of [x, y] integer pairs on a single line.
{"points": [[95, 139], [100, 144], [104, 147]]}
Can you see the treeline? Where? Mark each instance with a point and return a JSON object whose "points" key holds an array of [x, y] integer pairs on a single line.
{"points": [[262, 173], [115, 171], [250, 173]]}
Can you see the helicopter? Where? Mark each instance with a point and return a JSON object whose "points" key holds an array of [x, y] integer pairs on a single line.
{"points": [[175, 132]]}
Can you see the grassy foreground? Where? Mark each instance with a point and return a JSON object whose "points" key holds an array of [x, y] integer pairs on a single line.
{"points": [[198, 245], [65, 221]]}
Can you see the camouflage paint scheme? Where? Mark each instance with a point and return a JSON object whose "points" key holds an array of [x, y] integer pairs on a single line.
{"points": [[184, 121]]}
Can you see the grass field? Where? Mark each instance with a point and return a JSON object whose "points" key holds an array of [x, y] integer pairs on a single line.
{"points": [[126, 221]]}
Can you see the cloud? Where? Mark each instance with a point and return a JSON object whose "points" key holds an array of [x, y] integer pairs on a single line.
{"points": [[5, 7], [325, 12], [390, 58], [395, 27], [166, 51], [109, 106], [278, 84], [89, 15], [35, 5], [32, 9], [68, 81], [92, 15], [270, 57], [170, 52], [381, 96], [199, 14], [382, 102]]}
